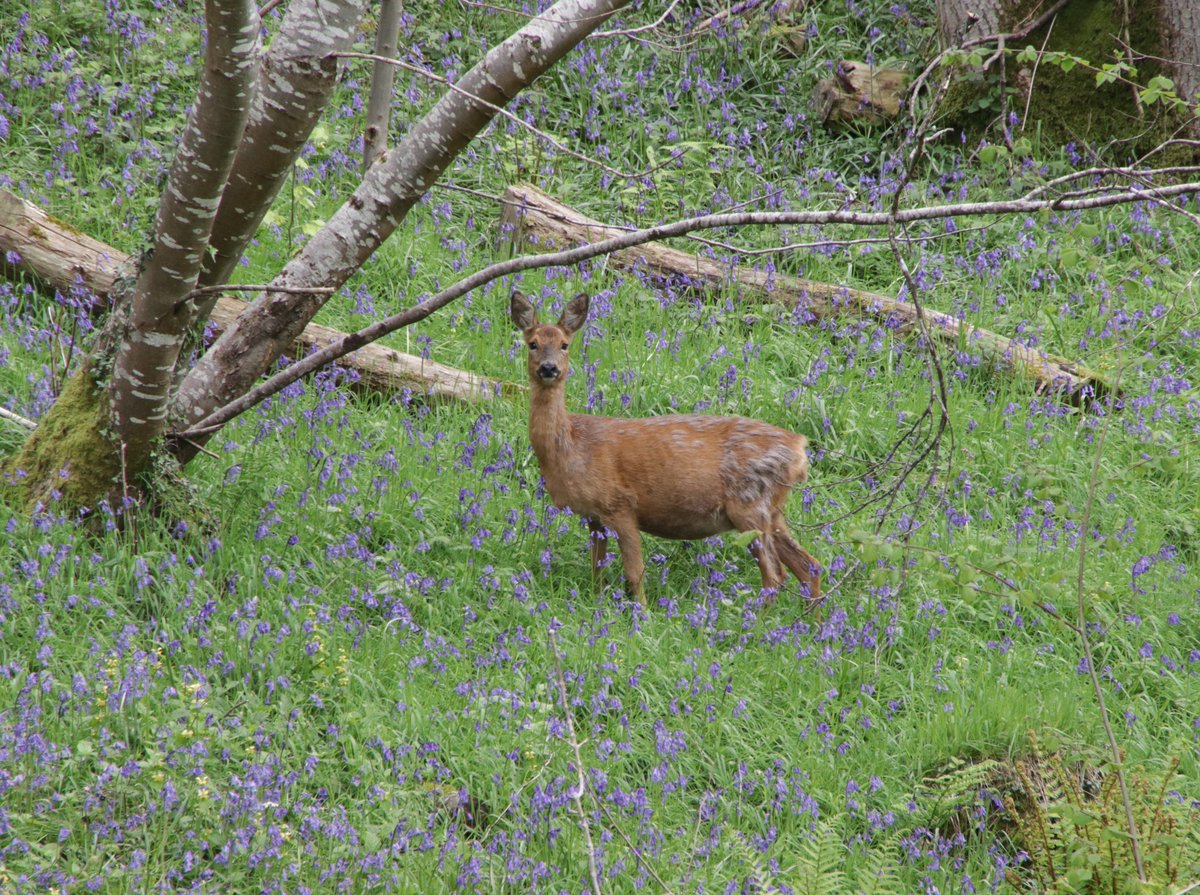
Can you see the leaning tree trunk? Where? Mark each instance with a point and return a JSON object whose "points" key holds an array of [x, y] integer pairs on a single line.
{"points": [[1158, 36], [393, 185], [123, 398], [120, 396]]}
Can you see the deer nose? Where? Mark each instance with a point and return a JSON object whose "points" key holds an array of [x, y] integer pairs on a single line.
{"points": [[548, 371]]}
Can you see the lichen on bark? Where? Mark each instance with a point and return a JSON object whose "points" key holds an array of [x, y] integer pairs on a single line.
{"points": [[70, 458]]}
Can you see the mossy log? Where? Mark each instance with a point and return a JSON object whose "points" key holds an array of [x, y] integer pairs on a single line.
{"points": [[536, 219], [860, 93], [63, 257]]}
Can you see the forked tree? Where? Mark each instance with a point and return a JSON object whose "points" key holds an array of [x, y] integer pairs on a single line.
{"points": [[254, 109]]}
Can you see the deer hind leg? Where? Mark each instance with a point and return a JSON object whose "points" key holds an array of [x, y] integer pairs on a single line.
{"points": [[749, 517], [801, 563], [630, 540]]}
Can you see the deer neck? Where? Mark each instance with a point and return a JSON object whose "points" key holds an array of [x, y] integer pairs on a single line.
{"points": [[549, 423]]}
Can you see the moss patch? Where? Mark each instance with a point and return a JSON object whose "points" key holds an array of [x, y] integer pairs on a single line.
{"points": [[1068, 106], [69, 452]]}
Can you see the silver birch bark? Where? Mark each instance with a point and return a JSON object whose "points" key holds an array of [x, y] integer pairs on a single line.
{"points": [[295, 81], [379, 106], [390, 189], [152, 333]]}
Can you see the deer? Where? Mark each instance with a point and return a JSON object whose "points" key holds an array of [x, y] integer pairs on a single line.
{"points": [[679, 476]]}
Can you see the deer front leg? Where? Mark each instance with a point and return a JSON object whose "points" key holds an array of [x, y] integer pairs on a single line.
{"points": [[754, 517], [598, 535], [630, 540]]}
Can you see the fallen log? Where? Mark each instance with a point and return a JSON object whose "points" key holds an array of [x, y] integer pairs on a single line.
{"points": [[536, 220], [65, 258]]}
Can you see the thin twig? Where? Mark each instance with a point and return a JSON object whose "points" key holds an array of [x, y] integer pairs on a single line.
{"points": [[577, 796], [1126, 40], [289, 290], [1033, 75], [629, 31], [735, 9], [515, 119]]}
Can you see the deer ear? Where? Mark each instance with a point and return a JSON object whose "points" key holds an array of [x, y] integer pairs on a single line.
{"points": [[522, 312], [575, 314]]}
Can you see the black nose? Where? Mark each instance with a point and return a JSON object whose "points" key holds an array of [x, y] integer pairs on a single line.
{"points": [[548, 371]]}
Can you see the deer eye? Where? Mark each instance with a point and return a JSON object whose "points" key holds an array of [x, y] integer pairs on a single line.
{"points": [[564, 346], [533, 345]]}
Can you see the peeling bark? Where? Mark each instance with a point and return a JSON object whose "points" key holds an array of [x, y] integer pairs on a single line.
{"points": [[152, 335], [295, 80], [390, 189]]}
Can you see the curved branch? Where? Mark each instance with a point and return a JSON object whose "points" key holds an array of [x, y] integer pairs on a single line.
{"points": [[214, 420]]}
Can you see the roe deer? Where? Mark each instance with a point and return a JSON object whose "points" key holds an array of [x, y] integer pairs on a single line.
{"points": [[676, 476]]}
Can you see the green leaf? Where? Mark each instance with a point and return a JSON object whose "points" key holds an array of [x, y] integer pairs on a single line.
{"points": [[990, 155], [745, 538]]}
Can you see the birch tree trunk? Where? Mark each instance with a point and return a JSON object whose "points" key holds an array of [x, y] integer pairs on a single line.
{"points": [[294, 84], [383, 75], [152, 335], [390, 189], [248, 124]]}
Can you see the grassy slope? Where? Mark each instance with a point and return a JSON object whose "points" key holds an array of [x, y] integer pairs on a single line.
{"points": [[285, 691]]}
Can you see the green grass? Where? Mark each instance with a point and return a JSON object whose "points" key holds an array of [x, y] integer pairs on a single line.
{"points": [[289, 687]]}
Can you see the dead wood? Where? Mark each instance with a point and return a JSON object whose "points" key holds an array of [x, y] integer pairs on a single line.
{"points": [[536, 220], [860, 93], [67, 259]]}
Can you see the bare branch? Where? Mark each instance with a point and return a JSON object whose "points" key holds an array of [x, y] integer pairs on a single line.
{"points": [[17, 418], [214, 420], [259, 287], [638, 30]]}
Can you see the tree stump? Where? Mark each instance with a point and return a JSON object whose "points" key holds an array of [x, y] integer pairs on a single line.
{"points": [[860, 93]]}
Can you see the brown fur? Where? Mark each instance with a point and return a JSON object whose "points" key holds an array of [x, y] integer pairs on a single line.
{"points": [[681, 476]]}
